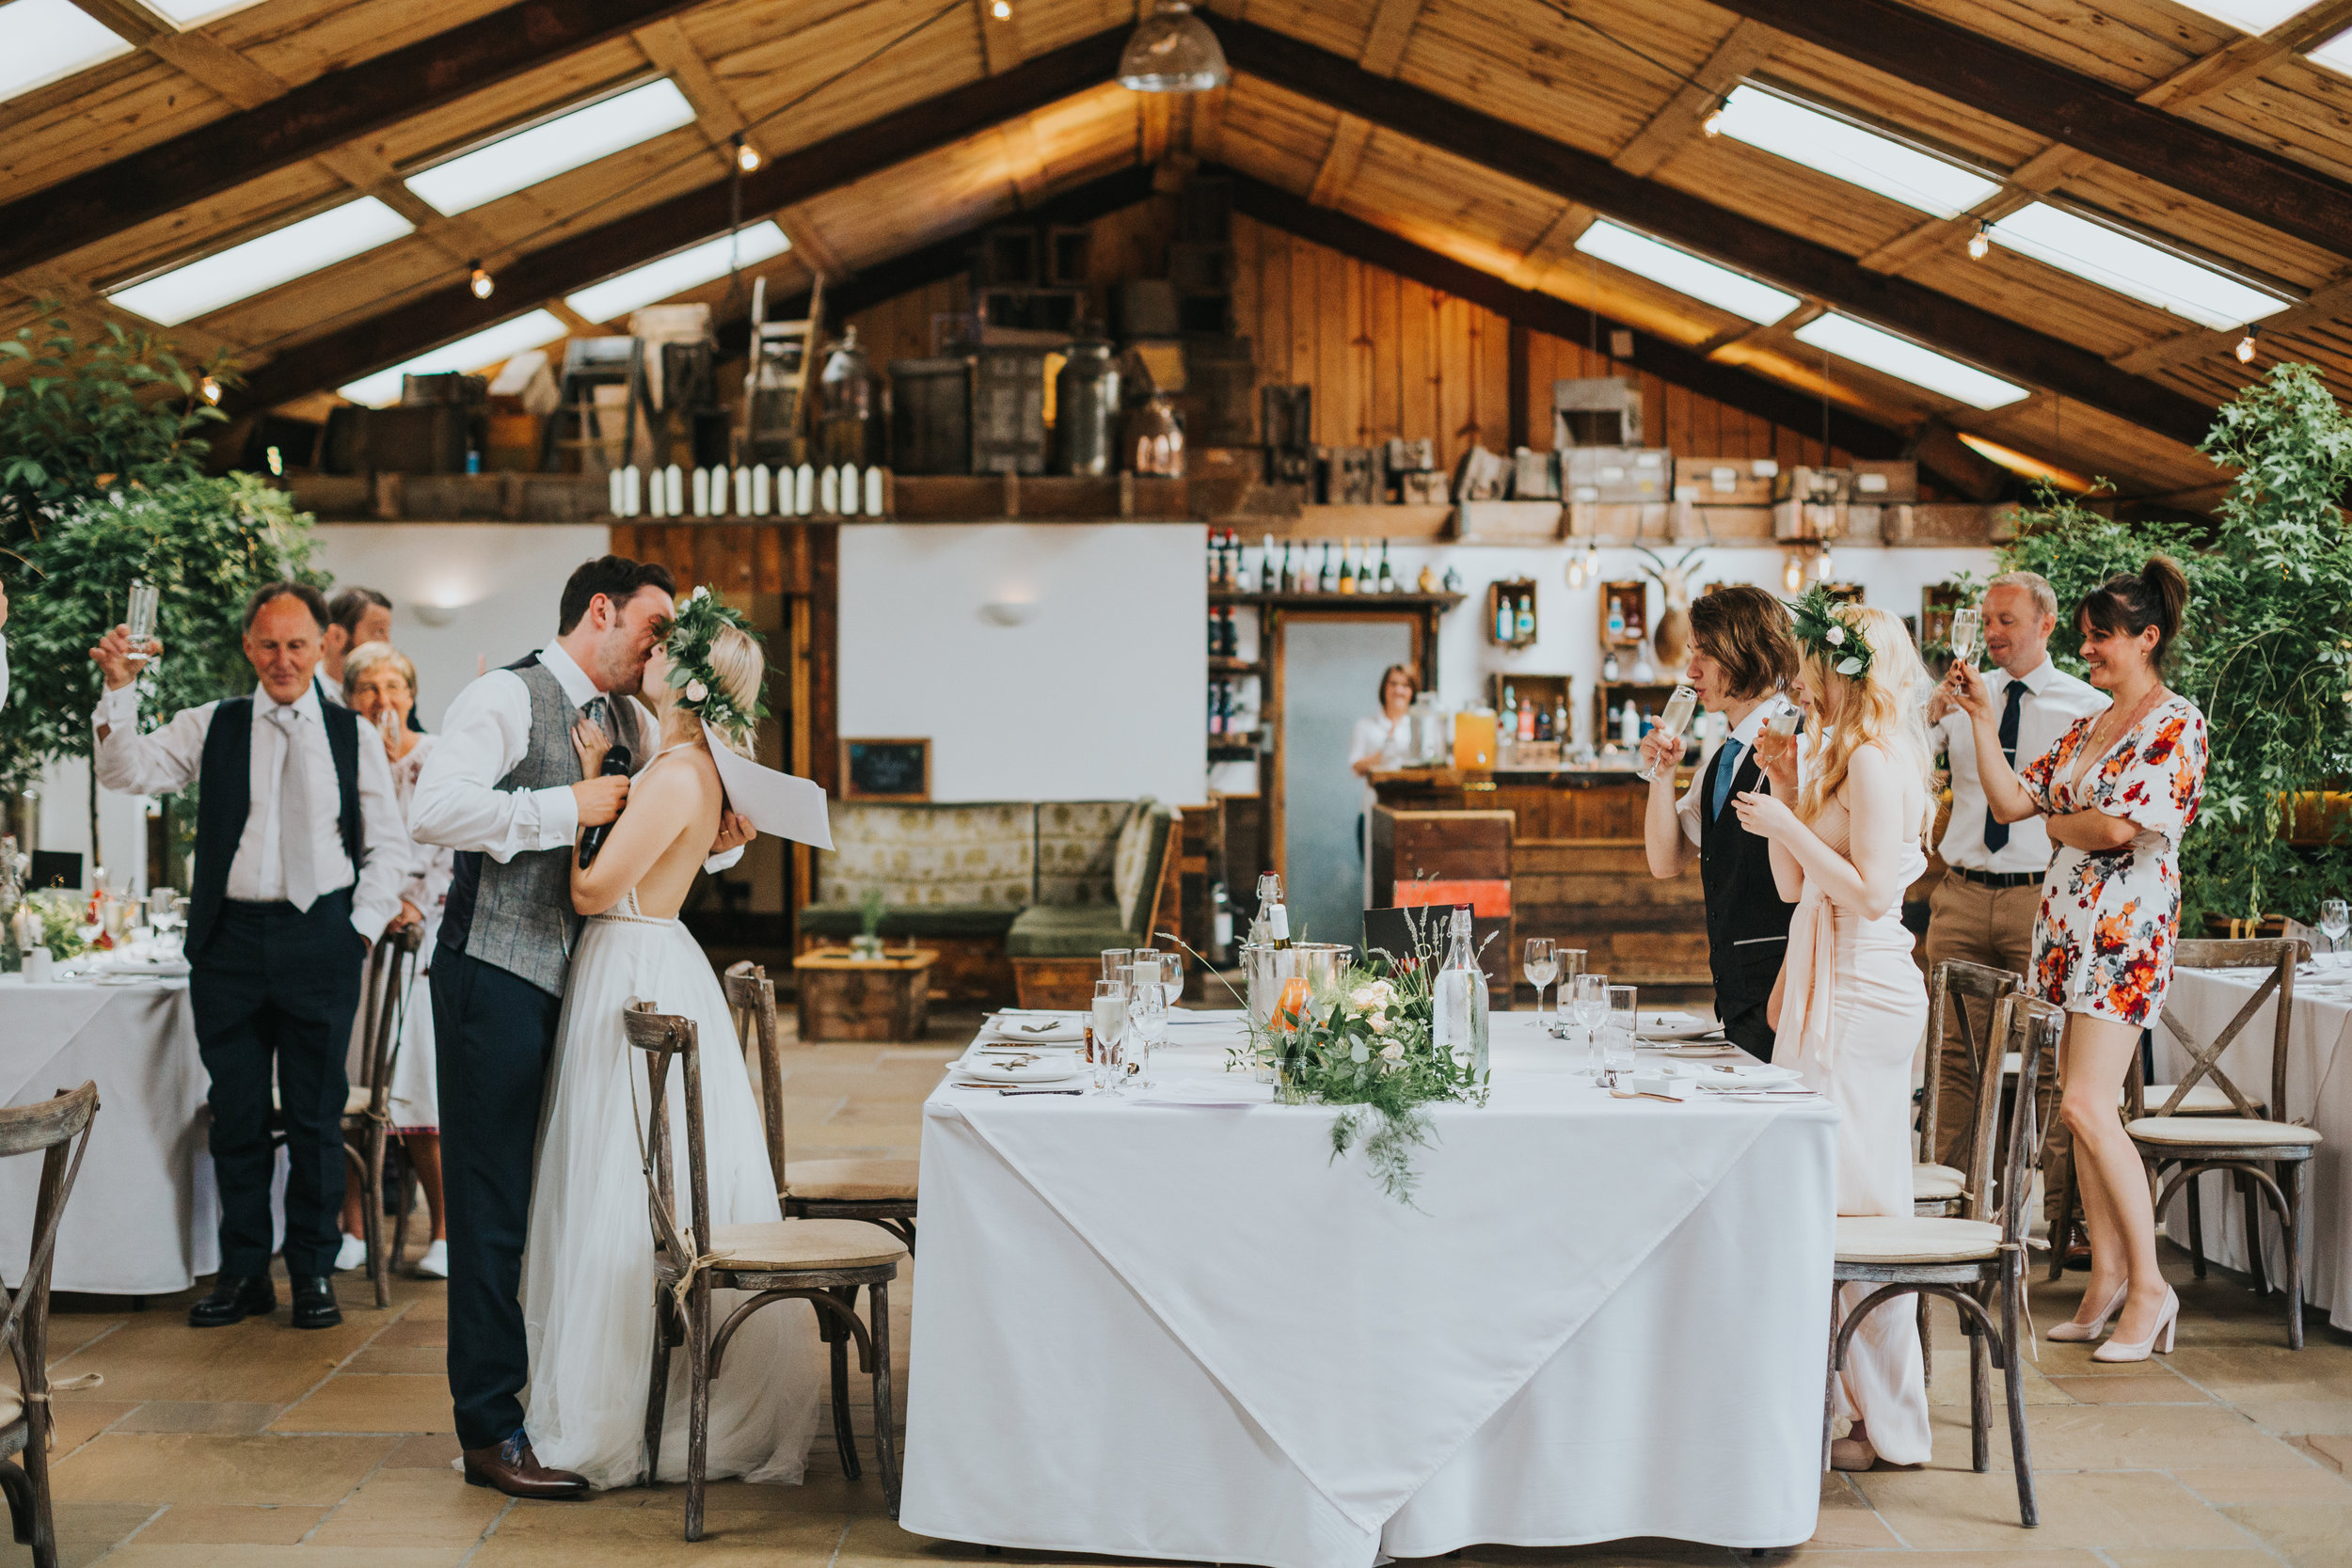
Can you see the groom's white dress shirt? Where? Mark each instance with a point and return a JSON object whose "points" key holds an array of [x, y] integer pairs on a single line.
{"points": [[485, 734]]}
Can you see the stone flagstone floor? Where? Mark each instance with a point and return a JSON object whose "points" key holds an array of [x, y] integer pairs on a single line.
{"points": [[260, 1447]]}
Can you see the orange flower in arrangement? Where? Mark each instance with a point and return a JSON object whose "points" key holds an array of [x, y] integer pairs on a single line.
{"points": [[1291, 1005]]}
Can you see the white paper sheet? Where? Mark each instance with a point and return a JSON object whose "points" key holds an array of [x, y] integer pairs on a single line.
{"points": [[780, 804]]}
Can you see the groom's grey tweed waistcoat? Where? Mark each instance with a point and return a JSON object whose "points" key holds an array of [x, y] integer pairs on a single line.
{"points": [[518, 914]]}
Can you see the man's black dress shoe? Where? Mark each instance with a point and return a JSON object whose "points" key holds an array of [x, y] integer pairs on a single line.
{"points": [[315, 1302], [235, 1297]]}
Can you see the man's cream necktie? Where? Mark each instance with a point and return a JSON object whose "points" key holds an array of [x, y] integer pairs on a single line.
{"points": [[295, 846]]}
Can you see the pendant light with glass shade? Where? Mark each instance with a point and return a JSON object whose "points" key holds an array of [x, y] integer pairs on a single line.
{"points": [[1172, 50]]}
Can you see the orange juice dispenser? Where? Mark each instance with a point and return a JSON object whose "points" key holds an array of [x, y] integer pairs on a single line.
{"points": [[1475, 739]]}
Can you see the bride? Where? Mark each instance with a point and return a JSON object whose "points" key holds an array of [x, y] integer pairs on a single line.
{"points": [[588, 1279]]}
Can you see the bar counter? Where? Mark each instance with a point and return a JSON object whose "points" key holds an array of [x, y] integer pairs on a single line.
{"points": [[1544, 851]]}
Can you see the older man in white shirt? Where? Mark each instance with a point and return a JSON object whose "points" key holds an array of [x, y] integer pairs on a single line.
{"points": [[300, 854], [1985, 909]]}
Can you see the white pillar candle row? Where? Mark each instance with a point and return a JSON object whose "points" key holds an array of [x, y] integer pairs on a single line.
{"points": [[843, 490]]}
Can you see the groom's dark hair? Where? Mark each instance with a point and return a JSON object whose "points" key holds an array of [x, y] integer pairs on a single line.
{"points": [[615, 577]]}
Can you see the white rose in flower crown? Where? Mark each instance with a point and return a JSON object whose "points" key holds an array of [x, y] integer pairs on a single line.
{"points": [[697, 691], [1836, 637]]}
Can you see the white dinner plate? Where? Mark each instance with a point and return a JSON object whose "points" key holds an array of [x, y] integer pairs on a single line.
{"points": [[1056, 1068], [1037, 1031], [1738, 1075], [1674, 1026]]}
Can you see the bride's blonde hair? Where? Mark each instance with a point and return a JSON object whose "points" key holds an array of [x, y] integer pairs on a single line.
{"points": [[735, 659], [1881, 706]]}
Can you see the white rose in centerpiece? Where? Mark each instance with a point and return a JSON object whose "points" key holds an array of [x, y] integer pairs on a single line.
{"points": [[1379, 1022], [1374, 996], [1393, 1052]]}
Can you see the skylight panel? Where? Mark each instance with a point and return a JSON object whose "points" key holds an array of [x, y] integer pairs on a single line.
{"points": [[2144, 272], [488, 346], [1684, 272], [50, 40], [1846, 151], [554, 147], [2336, 53], [1907, 361], [617, 297], [190, 13], [2249, 16], [278, 257]]}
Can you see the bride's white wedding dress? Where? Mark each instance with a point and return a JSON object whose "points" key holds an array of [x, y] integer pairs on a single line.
{"points": [[588, 1267]]}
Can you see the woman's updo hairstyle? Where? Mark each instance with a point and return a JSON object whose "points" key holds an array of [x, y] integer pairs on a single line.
{"points": [[2131, 602]]}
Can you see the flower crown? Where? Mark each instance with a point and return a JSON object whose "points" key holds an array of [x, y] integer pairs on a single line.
{"points": [[692, 630], [1820, 629]]}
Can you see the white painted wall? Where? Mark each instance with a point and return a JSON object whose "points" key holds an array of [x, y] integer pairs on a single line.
{"points": [[1099, 696]]}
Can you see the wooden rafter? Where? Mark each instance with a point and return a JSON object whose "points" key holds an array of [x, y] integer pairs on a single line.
{"points": [[2037, 176], [1748, 45], [2241, 60], [1391, 30], [2047, 98], [1384, 41], [2004, 346], [1555, 245], [300, 122]]}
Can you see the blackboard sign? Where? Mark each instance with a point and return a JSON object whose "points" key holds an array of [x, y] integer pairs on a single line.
{"points": [[893, 770]]}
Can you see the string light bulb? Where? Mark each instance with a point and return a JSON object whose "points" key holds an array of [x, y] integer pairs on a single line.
{"points": [[1821, 567], [1980, 243], [481, 283], [2245, 346], [746, 155], [1001, 11], [208, 388], [1714, 124], [1792, 573]]}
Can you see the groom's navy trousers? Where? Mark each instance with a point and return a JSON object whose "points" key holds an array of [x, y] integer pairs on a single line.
{"points": [[494, 1035]]}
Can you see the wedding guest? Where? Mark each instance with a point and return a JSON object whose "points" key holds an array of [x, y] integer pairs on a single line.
{"points": [[381, 688], [1851, 1004], [1382, 741], [2116, 793], [300, 854], [1983, 911], [1741, 660], [355, 617]]}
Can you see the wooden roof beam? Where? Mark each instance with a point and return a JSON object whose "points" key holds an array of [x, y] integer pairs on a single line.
{"points": [[1389, 35], [1385, 41], [1748, 45], [585, 255], [2006, 347], [2066, 106], [2030, 180], [2202, 81], [300, 123], [1553, 246], [1001, 45]]}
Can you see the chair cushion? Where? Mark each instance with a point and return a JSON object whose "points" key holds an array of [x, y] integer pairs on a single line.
{"points": [[2204, 1099], [2218, 1131], [1900, 1239], [851, 1180], [1933, 1181], [916, 920], [806, 1245], [11, 1403], [1062, 931]]}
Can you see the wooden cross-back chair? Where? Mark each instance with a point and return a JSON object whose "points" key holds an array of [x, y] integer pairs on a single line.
{"points": [[879, 1192], [1978, 1263], [50, 1129], [1939, 1191], [2206, 1122], [824, 1263]]}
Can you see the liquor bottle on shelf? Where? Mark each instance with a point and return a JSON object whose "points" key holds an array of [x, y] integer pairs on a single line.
{"points": [[1561, 730], [1527, 719], [1507, 721], [1268, 581], [1287, 581], [1543, 723], [1330, 582], [1278, 919], [1608, 666], [1505, 621], [1348, 566], [1388, 581], [1453, 580], [1616, 621], [1527, 616], [1216, 722]]}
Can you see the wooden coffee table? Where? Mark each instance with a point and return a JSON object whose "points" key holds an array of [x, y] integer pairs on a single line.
{"points": [[845, 998]]}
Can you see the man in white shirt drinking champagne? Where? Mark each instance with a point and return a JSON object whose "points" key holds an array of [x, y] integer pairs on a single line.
{"points": [[1983, 911]]}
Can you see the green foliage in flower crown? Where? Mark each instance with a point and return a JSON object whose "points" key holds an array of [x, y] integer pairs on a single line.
{"points": [[697, 623], [1821, 630]]}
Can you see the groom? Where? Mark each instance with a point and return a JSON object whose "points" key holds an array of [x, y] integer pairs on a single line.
{"points": [[504, 789]]}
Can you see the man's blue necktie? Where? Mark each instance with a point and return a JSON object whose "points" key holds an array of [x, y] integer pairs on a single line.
{"points": [[1726, 768], [1996, 833]]}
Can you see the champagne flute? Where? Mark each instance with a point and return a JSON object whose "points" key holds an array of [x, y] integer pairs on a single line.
{"points": [[1778, 734], [2335, 919], [1147, 1015], [139, 619], [1110, 1021], [1966, 634], [1671, 723], [1542, 965], [1589, 1003]]}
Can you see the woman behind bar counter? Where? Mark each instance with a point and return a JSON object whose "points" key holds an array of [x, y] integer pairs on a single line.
{"points": [[1741, 659], [1381, 744]]}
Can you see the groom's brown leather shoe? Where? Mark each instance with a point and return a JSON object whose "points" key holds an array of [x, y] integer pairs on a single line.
{"points": [[514, 1469]]}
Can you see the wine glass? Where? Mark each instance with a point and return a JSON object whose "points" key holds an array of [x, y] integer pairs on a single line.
{"points": [[2335, 919], [1588, 1002], [1622, 1022], [1147, 1014], [1967, 632], [139, 619], [1542, 965], [1110, 1023], [1671, 723]]}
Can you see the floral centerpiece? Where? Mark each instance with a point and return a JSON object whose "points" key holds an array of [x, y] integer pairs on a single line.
{"points": [[58, 918]]}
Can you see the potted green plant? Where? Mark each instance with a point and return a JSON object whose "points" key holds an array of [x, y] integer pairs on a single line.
{"points": [[867, 944]]}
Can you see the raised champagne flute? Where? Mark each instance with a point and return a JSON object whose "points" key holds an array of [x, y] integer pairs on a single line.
{"points": [[1778, 734], [138, 619], [1671, 724], [1542, 964], [1967, 635]]}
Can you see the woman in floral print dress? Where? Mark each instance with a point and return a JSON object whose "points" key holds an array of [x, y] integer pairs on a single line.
{"points": [[2119, 789]]}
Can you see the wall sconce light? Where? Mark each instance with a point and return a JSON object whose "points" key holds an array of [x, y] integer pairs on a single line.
{"points": [[437, 614], [1792, 572], [1009, 612]]}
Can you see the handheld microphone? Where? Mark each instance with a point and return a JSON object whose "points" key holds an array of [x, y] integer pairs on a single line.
{"points": [[616, 761]]}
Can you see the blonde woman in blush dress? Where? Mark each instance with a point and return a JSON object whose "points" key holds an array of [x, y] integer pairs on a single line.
{"points": [[1851, 1006]]}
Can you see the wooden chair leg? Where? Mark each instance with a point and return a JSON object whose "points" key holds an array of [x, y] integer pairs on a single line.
{"points": [[837, 1342], [886, 1435], [658, 1384], [371, 1207], [2290, 1239], [2062, 1232], [2020, 1456], [2253, 1234], [1829, 1383], [697, 1402], [2196, 1227], [1927, 1343], [43, 1535], [1980, 1399]]}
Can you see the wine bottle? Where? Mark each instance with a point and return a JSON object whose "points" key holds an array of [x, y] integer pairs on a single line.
{"points": [[1388, 582], [1278, 919], [1348, 566], [1268, 581], [1328, 582]]}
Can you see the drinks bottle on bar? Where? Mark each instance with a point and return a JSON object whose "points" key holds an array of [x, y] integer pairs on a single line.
{"points": [[1278, 919], [1328, 582], [1388, 582], [1459, 1000], [1348, 566]]}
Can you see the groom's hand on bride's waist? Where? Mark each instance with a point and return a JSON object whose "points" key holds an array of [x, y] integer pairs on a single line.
{"points": [[600, 799]]}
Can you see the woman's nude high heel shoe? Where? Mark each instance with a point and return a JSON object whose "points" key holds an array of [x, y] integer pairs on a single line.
{"points": [[2159, 1337], [2073, 1333]]}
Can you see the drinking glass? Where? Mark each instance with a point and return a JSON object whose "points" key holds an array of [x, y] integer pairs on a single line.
{"points": [[1967, 631], [1779, 733], [2335, 919], [1542, 965], [139, 619], [1113, 957], [1147, 1012], [1671, 722], [1622, 1021], [1110, 1023], [1588, 1002], [1568, 962]]}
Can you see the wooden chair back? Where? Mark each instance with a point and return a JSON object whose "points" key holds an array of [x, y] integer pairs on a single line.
{"points": [[1953, 983], [2280, 958], [751, 1000], [59, 1131], [665, 1037], [2027, 1025], [384, 1006]]}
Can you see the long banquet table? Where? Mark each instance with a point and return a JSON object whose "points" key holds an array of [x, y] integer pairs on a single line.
{"points": [[2319, 1091], [143, 1217], [1176, 1331]]}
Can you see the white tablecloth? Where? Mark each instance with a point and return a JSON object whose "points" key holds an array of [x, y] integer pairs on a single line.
{"points": [[2319, 1091], [1179, 1332], [145, 1218]]}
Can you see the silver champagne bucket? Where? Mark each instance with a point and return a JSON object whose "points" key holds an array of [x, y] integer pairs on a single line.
{"points": [[1267, 967]]}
